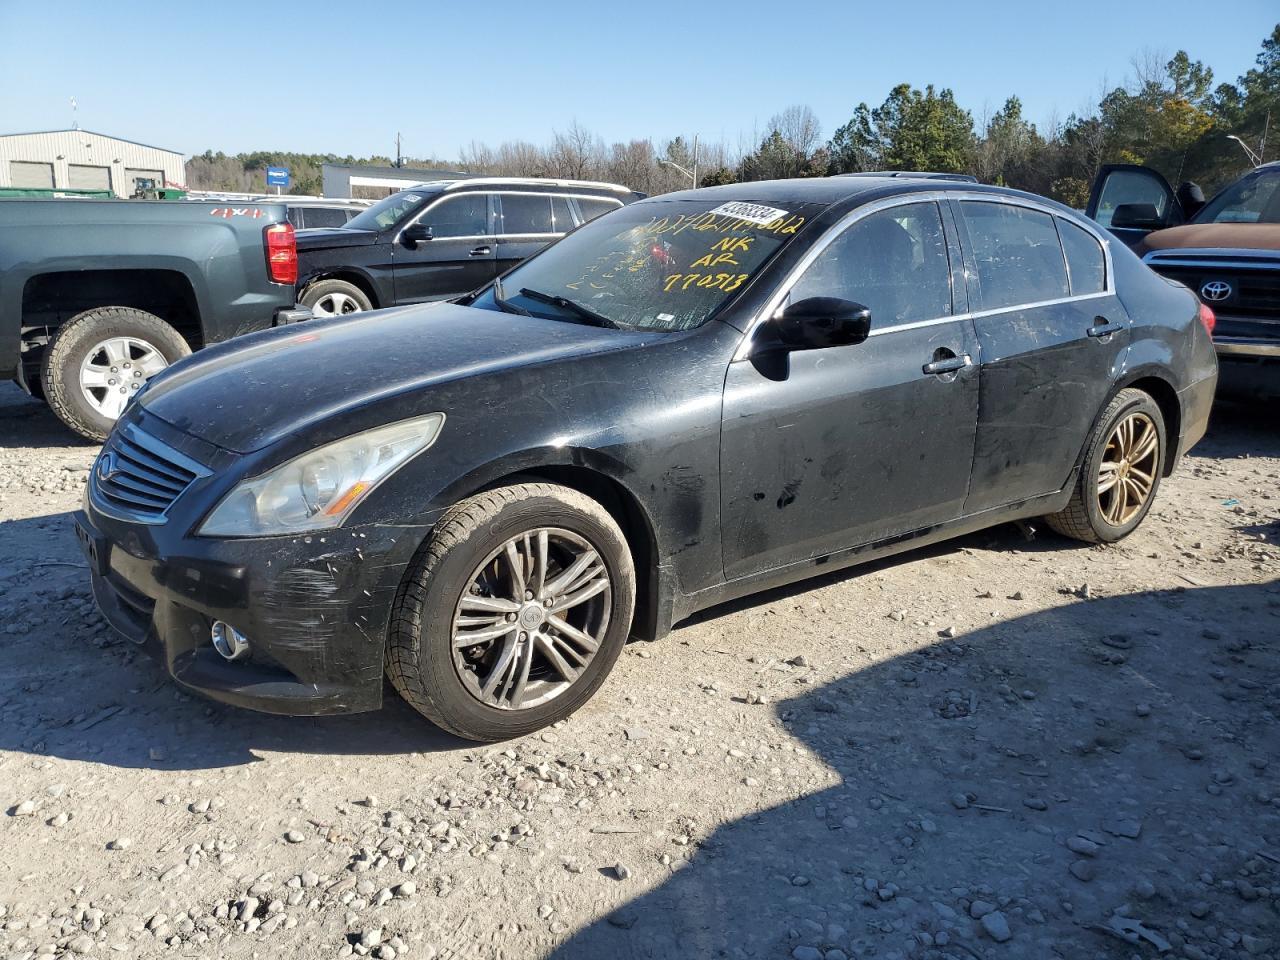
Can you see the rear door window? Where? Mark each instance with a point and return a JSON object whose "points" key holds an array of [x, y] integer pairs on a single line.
{"points": [[526, 214], [893, 261], [1017, 254], [1085, 260], [561, 215]]}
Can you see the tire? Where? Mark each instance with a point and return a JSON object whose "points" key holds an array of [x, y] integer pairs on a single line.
{"points": [[447, 686], [79, 352], [333, 298], [1093, 514]]}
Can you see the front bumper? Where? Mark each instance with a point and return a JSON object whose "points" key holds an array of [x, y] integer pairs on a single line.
{"points": [[316, 608]]}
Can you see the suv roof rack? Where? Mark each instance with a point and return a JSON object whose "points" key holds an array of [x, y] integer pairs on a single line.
{"points": [[534, 181]]}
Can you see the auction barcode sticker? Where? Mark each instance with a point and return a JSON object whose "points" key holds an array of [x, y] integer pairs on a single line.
{"points": [[751, 212]]}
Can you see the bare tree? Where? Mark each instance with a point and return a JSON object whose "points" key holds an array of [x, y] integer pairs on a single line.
{"points": [[799, 127]]}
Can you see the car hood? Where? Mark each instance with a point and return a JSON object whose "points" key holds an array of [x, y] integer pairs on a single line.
{"points": [[1237, 236], [252, 391], [323, 238]]}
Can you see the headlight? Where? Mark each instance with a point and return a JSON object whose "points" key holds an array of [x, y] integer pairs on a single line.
{"points": [[320, 488]]}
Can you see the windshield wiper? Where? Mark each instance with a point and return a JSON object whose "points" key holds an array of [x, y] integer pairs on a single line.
{"points": [[585, 313], [503, 304]]}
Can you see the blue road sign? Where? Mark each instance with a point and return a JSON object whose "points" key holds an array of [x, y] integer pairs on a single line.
{"points": [[277, 176]]}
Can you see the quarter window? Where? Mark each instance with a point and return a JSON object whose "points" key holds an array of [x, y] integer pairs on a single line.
{"points": [[466, 215], [325, 217], [523, 213], [894, 261], [1085, 259], [1017, 253], [594, 208]]}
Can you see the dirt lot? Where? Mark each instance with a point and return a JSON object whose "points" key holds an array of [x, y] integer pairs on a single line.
{"points": [[1000, 747]]}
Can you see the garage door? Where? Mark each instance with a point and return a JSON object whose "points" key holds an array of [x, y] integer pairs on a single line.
{"points": [[82, 177], [132, 176], [31, 176]]}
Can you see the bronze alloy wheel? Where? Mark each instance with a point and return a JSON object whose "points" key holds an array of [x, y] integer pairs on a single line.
{"points": [[1127, 473], [532, 619]]}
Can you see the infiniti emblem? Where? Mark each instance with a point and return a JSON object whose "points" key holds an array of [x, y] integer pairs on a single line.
{"points": [[106, 466], [1215, 290]]}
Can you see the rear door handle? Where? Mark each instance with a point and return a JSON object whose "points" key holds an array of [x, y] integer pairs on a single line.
{"points": [[1102, 327], [948, 365], [481, 251]]}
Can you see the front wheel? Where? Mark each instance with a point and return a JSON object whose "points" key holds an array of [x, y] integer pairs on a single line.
{"points": [[514, 613], [1120, 474]]}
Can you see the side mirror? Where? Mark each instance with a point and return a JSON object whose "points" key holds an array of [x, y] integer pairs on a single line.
{"points": [[416, 233], [819, 322], [1137, 216]]}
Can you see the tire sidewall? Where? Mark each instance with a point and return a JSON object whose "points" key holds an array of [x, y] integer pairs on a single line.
{"points": [[1131, 401], [452, 575], [71, 345]]}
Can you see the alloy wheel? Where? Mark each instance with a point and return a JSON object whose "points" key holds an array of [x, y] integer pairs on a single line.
{"points": [[1127, 474], [335, 304], [532, 618], [114, 370]]}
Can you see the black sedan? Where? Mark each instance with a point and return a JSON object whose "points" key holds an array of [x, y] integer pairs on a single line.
{"points": [[694, 397]]}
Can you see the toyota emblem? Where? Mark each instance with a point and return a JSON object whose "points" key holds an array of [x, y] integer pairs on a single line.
{"points": [[1215, 290]]}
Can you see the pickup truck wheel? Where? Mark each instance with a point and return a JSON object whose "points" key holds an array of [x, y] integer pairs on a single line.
{"points": [[513, 613], [98, 359], [334, 298]]}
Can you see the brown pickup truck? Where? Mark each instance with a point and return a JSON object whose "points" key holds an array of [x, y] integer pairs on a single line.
{"points": [[1227, 250]]}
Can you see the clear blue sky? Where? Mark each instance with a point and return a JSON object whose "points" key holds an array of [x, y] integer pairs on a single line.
{"points": [[343, 77]]}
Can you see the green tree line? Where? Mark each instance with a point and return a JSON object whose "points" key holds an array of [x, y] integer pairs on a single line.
{"points": [[1170, 116]]}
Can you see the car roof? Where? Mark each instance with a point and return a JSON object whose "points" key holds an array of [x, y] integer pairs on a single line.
{"points": [[845, 191], [537, 184]]}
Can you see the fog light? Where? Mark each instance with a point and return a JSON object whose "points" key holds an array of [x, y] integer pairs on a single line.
{"points": [[228, 641]]}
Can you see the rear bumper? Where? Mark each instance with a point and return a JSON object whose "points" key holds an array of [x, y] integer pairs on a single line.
{"points": [[1195, 402]]}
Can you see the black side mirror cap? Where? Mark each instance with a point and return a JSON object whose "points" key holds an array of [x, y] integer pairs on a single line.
{"points": [[819, 322], [1137, 216], [416, 233]]}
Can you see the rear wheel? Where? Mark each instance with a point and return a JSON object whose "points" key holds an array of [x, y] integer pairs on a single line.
{"points": [[514, 613], [99, 359], [1121, 472], [334, 298]]}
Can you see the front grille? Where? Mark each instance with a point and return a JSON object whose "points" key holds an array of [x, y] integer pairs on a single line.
{"points": [[140, 477], [1254, 281]]}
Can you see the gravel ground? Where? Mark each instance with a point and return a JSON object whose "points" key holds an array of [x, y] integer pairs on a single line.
{"points": [[1006, 746]]}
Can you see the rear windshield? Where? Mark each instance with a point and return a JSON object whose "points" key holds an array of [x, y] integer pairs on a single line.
{"points": [[390, 211], [658, 265], [1254, 199]]}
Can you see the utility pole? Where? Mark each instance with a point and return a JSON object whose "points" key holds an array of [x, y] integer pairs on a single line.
{"points": [[691, 174], [75, 120], [399, 159]]}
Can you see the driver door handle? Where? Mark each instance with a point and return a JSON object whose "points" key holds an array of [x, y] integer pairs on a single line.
{"points": [[948, 364], [482, 251]]}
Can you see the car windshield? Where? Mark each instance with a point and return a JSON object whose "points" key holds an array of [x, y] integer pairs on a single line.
{"points": [[657, 265], [390, 211], [1255, 199]]}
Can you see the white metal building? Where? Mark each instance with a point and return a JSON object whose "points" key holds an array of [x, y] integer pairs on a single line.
{"points": [[83, 160]]}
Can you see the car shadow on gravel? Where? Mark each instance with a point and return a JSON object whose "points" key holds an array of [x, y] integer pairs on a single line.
{"points": [[1138, 727]]}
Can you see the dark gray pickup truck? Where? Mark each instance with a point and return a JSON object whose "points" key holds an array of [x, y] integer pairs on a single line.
{"points": [[97, 295]]}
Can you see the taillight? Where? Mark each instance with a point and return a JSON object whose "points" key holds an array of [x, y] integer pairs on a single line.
{"points": [[282, 253], [1208, 319]]}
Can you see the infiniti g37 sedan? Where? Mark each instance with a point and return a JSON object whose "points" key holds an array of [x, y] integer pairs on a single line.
{"points": [[692, 398]]}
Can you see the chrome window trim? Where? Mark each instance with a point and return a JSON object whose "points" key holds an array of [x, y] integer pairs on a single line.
{"points": [[489, 193], [774, 303]]}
